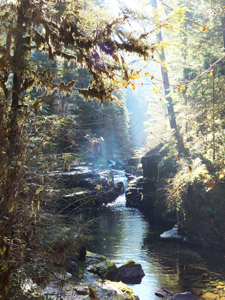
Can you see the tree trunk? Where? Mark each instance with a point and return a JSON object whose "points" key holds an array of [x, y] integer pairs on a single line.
{"points": [[170, 106], [213, 117]]}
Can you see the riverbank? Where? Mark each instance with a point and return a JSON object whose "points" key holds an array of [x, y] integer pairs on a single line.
{"points": [[187, 191], [92, 285], [121, 233]]}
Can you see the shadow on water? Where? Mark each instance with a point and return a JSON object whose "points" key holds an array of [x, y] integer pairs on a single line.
{"points": [[122, 233]]}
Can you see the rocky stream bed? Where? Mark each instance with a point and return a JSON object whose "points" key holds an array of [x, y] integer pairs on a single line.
{"points": [[122, 233]]}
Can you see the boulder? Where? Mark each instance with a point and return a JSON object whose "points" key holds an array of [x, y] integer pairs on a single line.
{"points": [[163, 293], [202, 214], [183, 296], [133, 197], [150, 165], [131, 272], [105, 269], [172, 234]]}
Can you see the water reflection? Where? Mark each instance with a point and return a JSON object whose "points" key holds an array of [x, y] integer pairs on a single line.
{"points": [[123, 233]]}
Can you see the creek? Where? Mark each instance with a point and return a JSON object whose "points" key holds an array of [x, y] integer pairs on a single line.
{"points": [[122, 233]]}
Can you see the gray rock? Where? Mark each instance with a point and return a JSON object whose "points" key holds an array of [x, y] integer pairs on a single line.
{"points": [[131, 272], [81, 290], [172, 234], [183, 296]]}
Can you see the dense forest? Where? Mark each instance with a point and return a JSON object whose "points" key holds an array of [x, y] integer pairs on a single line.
{"points": [[104, 103]]}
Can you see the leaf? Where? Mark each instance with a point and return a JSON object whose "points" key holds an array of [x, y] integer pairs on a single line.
{"points": [[121, 83], [146, 73], [133, 87], [155, 90], [167, 71], [180, 88], [152, 77], [177, 158], [135, 77], [190, 169], [221, 176], [169, 180], [204, 29], [126, 83], [40, 189], [211, 73]]}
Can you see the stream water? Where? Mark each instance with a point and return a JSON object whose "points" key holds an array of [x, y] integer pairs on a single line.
{"points": [[122, 233]]}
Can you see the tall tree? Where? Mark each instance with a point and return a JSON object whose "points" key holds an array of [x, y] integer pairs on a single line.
{"points": [[66, 30], [166, 84]]}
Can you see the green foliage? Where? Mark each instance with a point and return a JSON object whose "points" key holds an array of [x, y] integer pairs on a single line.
{"points": [[200, 105], [42, 42]]}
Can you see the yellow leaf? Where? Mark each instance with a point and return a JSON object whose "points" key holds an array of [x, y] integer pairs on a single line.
{"points": [[135, 77], [121, 83], [40, 189], [38, 205], [167, 71], [211, 73], [204, 29], [133, 87], [152, 77], [155, 90], [221, 176], [126, 83], [180, 88], [146, 73]]}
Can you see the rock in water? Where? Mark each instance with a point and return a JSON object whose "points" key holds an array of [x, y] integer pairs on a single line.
{"points": [[183, 296], [163, 293], [172, 234], [131, 272]]}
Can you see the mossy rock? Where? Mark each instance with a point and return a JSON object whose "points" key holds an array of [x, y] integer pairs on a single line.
{"points": [[130, 263], [123, 291], [105, 269], [111, 290], [133, 161]]}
